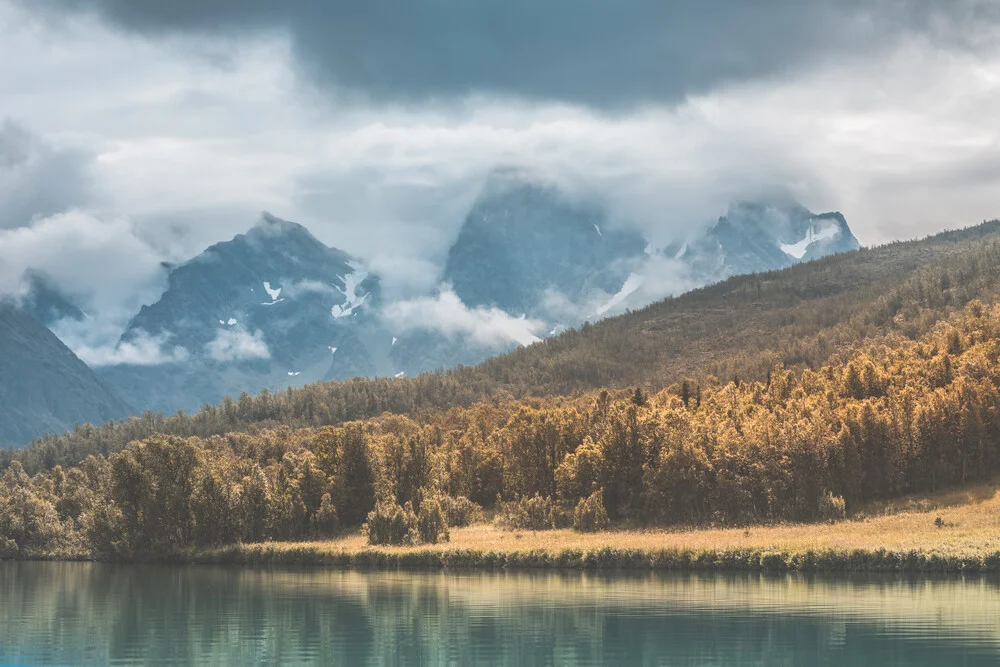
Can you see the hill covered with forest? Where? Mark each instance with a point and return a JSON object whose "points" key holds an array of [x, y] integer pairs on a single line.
{"points": [[737, 329], [886, 417]]}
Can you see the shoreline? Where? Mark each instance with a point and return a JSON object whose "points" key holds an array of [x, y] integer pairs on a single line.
{"points": [[602, 559], [954, 531], [443, 557]]}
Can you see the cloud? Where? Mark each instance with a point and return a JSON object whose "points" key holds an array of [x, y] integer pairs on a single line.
{"points": [[37, 179], [190, 118], [651, 279], [141, 350], [100, 265], [446, 314], [593, 52], [100, 262], [237, 344]]}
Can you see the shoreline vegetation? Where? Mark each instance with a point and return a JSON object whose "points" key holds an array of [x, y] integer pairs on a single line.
{"points": [[802, 469], [952, 532], [903, 536]]}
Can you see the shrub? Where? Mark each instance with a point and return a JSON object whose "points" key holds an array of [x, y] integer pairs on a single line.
{"points": [[590, 515], [432, 524], [389, 523], [536, 513], [8, 549], [831, 507], [460, 511], [325, 522]]}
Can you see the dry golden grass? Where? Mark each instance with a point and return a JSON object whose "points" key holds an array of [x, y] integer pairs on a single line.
{"points": [[971, 517]]}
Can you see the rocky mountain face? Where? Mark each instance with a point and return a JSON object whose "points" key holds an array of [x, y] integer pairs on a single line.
{"points": [[523, 244], [269, 309], [755, 237], [276, 308], [44, 387]]}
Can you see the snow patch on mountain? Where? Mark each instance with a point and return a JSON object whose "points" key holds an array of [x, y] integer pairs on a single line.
{"points": [[354, 298], [799, 248], [272, 292], [632, 283]]}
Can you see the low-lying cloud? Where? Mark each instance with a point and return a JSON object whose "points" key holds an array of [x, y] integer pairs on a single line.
{"points": [[141, 350], [445, 313], [237, 344]]}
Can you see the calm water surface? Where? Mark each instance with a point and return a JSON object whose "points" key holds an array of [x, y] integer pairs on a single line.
{"points": [[91, 614]]}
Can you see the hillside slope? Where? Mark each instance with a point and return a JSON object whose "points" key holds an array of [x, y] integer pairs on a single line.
{"points": [[52, 388], [735, 329]]}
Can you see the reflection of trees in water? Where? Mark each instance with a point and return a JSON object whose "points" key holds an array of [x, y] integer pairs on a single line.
{"points": [[74, 613]]}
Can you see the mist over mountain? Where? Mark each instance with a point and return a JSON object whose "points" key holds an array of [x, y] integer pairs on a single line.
{"points": [[274, 307], [755, 237], [46, 303], [522, 240]]}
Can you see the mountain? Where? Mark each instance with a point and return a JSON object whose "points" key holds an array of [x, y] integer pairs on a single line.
{"points": [[46, 388], [523, 242], [528, 248], [806, 315], [758, 237], [276, 308], [531, 251], [271, 308]]}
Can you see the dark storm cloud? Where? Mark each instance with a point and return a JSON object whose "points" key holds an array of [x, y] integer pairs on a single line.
{"points": [[37, 180], [603, 53]]}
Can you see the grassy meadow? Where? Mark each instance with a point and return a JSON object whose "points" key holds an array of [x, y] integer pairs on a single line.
{"points": [[956, 530]]}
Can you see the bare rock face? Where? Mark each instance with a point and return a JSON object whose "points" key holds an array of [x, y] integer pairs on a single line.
{"points": [[276, 308], [269, 309], [522, 240], [755, 237]]}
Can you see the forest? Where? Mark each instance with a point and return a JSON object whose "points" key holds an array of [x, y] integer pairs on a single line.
{"points": [[738, 329], [887, 415]]}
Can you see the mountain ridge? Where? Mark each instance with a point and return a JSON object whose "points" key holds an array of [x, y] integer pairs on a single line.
{"points": [[739, 328], [265, 310], [54, 389], [274, 307]]}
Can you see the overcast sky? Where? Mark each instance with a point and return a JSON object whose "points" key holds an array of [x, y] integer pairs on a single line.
{"points": [[139, 131]]}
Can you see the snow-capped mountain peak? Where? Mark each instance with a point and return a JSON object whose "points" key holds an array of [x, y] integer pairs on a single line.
{"points": [[261, 311]]}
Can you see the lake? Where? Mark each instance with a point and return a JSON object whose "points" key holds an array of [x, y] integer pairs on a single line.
{"points": [[95, 614]]}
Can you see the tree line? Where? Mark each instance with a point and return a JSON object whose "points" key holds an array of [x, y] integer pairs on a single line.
{"points": [[738, 329], [888, 416]]}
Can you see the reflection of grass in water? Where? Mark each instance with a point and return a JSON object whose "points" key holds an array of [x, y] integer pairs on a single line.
{"points": [[901, 535], [246, 615]]}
